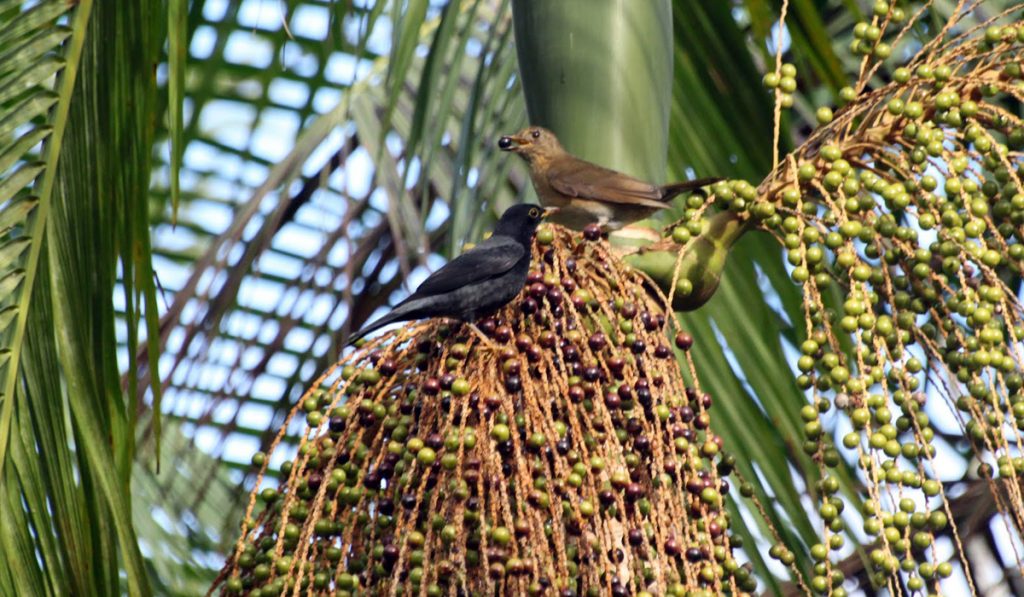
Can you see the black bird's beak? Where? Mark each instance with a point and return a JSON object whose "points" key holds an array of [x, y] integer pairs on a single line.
{"points": [[550, 211], [509, 143]]}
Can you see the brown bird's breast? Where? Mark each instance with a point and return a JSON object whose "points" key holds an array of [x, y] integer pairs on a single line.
{"points": [[548, 196]]}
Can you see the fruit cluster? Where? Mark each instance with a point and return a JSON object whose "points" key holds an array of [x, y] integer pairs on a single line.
{"points": [[570, 455], [902, 218]]}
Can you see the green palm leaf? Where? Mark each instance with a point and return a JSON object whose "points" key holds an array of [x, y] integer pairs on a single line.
{"points": [[73, 209], [32, 43]]}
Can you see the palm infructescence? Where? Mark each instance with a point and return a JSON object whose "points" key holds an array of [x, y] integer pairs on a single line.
{"points": [[866, 415]]}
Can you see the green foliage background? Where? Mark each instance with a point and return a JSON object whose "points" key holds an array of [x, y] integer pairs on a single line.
{"points": [[104, 105]]}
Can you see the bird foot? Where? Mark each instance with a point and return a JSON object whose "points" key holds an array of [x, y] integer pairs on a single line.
{"points": [[485, 341]]}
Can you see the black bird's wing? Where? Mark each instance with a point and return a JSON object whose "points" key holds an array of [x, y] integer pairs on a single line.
{"points": [[491, 258]]}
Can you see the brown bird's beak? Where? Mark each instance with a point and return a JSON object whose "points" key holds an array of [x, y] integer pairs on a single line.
{"points": [[511, 143]]}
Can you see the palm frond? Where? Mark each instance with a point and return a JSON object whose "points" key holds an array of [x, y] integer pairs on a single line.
{"points": [[422, 153], [32, 46], [75, 172]]}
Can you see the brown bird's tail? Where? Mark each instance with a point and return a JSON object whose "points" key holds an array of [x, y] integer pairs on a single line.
{"points": [[671, 190]]}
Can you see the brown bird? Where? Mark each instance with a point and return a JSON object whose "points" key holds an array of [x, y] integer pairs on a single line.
{"points": [[586, 193]]}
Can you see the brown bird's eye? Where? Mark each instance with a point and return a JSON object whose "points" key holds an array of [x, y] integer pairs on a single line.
{"points": [[535, 134]]}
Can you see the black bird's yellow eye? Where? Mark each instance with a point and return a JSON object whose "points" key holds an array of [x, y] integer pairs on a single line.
{"points": [[535, 134], [534, 213]]}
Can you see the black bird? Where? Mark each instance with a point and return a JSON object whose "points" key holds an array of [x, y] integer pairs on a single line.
{"points": [[477, 282]]}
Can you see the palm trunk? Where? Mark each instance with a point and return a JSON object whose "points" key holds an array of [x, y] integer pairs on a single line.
{"points": [[602, 83]]}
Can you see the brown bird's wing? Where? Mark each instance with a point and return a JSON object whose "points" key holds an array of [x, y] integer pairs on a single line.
{"points": [[576, 178]]}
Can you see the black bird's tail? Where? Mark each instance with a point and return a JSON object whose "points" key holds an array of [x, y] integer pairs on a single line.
{"points": [[671, 190], [392, 317]]}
